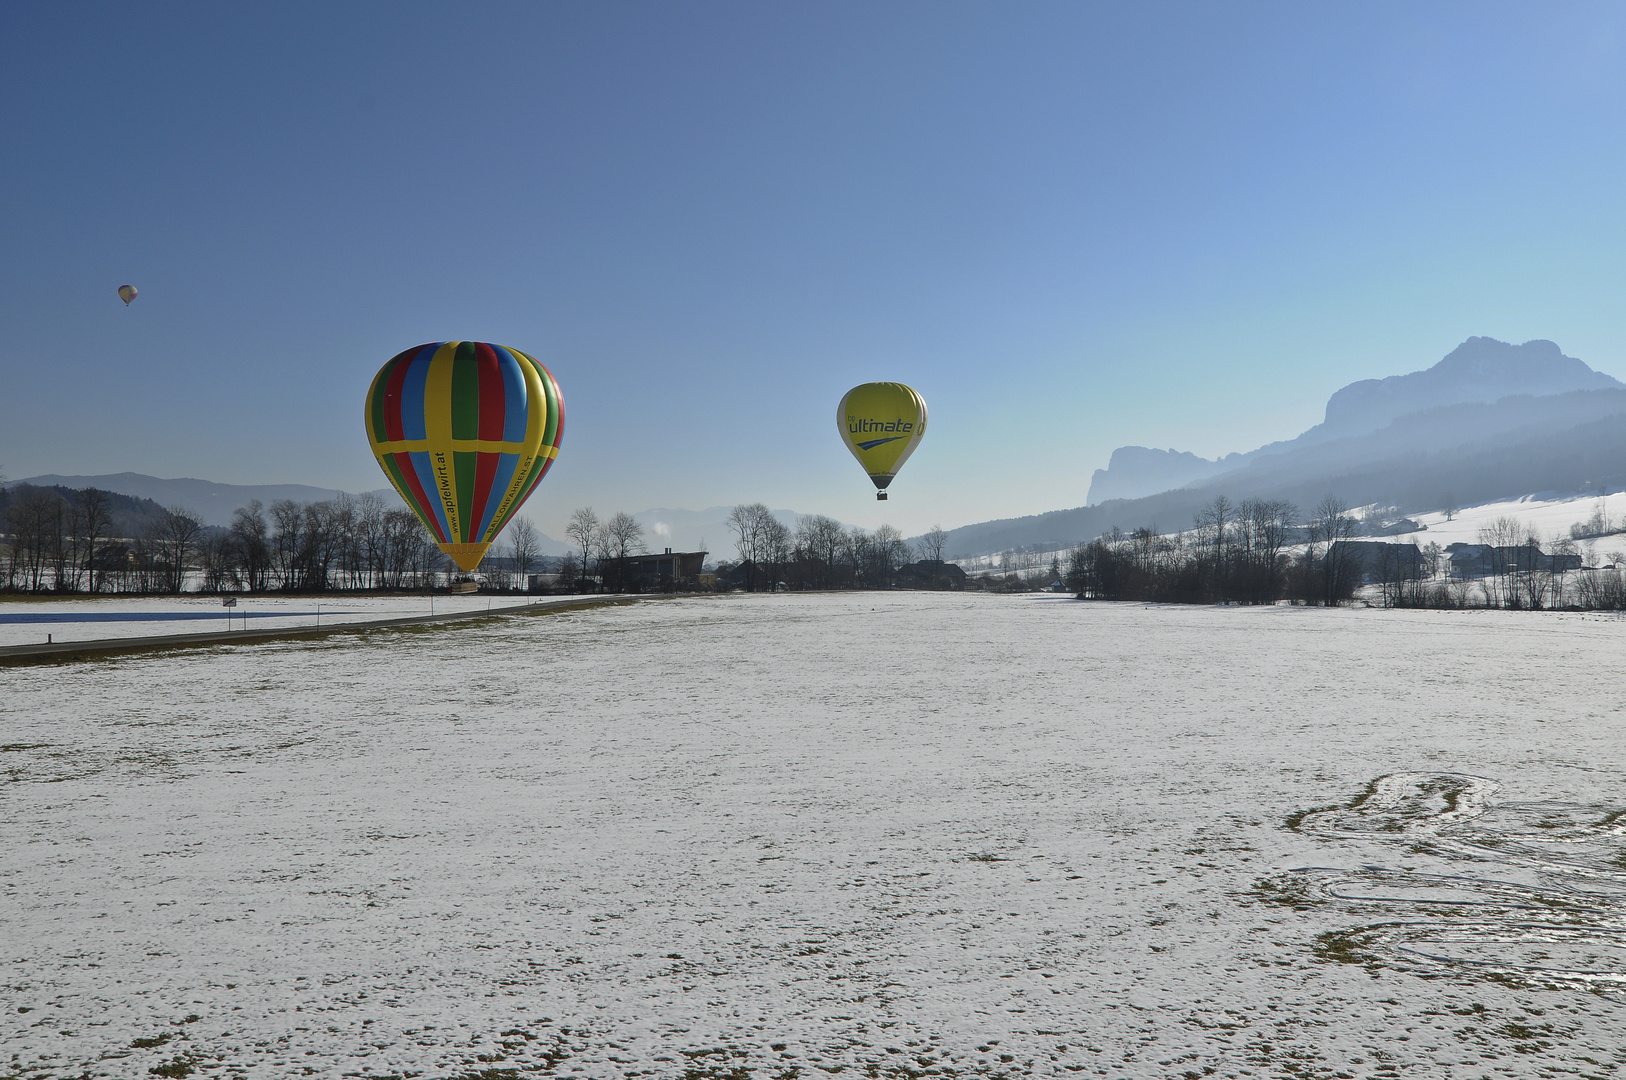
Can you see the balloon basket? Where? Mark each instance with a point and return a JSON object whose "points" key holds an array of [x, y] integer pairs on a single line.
{"points": [[880, 496]]}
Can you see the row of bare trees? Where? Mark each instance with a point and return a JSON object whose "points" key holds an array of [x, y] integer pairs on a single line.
{"points": [[1234, 553], [56, 541], [817, 553], [820, 553], [603, 552], [350, 542], [66, 544], [1510, 570]]}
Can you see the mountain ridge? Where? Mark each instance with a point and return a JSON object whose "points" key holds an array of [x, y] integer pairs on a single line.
{"points": [[1455, 439], [1480, 370]]}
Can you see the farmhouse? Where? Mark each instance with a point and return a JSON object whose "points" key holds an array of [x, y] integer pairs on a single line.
{"points": [[665, 572]]}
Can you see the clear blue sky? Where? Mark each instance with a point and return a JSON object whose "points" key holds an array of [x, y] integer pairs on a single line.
{"points": [[1070, 226]]}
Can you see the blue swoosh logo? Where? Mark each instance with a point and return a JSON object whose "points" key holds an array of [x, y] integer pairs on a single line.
{"points": [[873, 443]]}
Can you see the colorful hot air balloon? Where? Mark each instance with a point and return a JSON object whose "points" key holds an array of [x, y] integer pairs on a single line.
{"points": [[882, 423], [127, 293], [465, 431]]}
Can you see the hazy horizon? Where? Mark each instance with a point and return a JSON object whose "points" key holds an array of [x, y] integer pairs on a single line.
{"points": [[1071, 227]]}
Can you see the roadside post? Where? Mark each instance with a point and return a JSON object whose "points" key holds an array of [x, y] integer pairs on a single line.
{"points": [[228, 602]]}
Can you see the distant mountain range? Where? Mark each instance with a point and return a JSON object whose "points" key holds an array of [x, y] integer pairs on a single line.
{"points": [[1489, 421], [1480, 370], [681, 530], [212, 502]]}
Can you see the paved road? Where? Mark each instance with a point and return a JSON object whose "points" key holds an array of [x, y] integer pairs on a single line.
{"points": [[87, 650]]}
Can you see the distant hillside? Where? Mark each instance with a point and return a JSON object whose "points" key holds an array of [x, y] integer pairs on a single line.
{"points": [[131, 516], [212, 502], [1463, 437]]}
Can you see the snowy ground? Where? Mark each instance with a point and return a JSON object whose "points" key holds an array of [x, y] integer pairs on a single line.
{"points": [[27, 622], [1550, 517], [885, 835]]}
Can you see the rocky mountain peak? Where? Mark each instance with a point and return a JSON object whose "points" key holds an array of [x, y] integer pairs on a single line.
{"points": [[1481, 369]]}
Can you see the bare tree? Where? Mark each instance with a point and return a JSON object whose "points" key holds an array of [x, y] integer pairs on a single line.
{"points": [[1215, 516], [583, 529], [931, 545], [65, 536], [372, 539], [219, 559], [618, 539], [1336, 564], [287, 542], [625, 536], [1263, 527], [1564, 550], [778, 545], [522, 549], [176, 534], [1432, 553], [96, 518], [885, 552], [248, 529], [31, 518], [822, 540], [752, 535], [1503, 537]]}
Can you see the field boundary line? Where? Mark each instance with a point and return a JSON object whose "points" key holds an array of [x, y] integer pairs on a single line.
{"points": [[70, 651]]}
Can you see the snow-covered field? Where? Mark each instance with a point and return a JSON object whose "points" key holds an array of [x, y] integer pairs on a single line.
{"points": [[27, 622], [1550, 517], [885, 835]]}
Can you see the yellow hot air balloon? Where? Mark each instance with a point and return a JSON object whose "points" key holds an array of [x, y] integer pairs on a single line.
{"points": [[127, 293], [882, 423]]}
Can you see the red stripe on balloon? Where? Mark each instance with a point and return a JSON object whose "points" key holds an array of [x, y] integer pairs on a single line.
{"points": [[485, 471], [392, 395], [492, 413], [426, 514]]}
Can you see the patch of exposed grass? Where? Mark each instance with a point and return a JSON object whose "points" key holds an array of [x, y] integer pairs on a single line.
{"points": [[1295, 893], [716, 1072], [1345, 946], [1294, 820]]}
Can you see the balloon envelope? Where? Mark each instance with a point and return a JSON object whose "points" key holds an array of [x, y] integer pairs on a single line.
{"points": [[127, 293], [881, 423], [465, 431]]}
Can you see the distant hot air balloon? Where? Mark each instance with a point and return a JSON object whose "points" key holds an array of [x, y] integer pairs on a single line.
{"points": [[127, 293], [882, 423], [465, 431]]}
